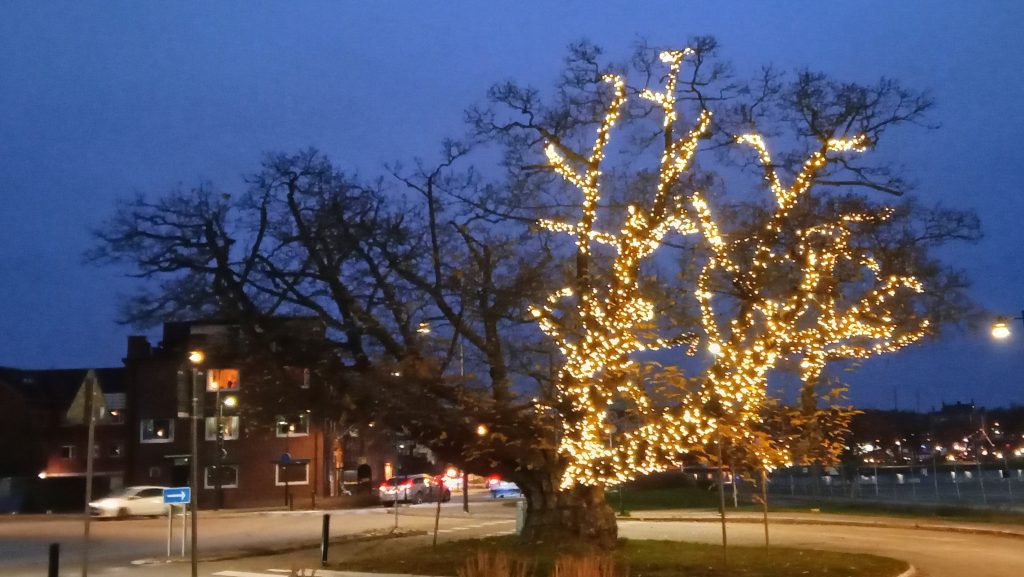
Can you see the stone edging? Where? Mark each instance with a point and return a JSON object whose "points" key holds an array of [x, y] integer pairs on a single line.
{"points": [[869, 524]]}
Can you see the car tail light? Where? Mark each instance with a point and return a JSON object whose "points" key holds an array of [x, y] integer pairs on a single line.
{"points": [[407, 483], [383, 486]]}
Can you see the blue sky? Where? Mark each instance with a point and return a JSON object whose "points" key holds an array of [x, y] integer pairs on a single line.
{"points": [[102, 99]]}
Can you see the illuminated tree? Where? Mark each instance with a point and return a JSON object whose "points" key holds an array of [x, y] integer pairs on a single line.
{"points": [[461, 254], [791, 284]]}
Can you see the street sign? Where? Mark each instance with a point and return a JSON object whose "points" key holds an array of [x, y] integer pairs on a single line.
{"points": [[177, 495]]}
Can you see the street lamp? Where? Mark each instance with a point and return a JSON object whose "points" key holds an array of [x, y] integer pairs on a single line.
{"points": [[1001, 327], [218, 471], [196, 358]]}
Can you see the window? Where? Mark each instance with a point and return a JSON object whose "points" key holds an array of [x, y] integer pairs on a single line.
{"points": [[230, 424], [222, 380], [150, 493], [154, 472], [115, 417], [96, 451], [156, 431], [115, 451], [293, 473], [297, 426], [67, 452], [228, 477]]}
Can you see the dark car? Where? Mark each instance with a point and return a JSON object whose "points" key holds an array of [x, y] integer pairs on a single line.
{"points": [[412, 489]]}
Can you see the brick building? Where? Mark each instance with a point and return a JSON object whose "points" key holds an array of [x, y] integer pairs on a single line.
{"points": [[45, 463], [248, 455]]}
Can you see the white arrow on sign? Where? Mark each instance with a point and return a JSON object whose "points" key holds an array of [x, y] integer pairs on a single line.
{"points": [[180, 495]]}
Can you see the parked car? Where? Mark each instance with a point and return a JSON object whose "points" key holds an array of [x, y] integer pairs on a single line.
{"points": [[500, 488], [412, 489], [130, 502]]}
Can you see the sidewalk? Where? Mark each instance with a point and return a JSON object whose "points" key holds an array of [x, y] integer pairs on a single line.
{"points": [[813, 518]]}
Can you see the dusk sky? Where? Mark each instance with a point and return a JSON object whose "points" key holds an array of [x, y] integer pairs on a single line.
{"points": [[99, 100]]}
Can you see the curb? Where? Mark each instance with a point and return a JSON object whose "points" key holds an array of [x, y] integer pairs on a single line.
{"points": [[910, 572], [868, 524]]}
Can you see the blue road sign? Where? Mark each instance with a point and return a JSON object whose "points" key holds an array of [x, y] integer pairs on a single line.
{"points": [[177, 495]]}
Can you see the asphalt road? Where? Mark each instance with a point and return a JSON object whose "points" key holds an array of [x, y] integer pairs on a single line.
{"points": [[115, 544], [23, 541]]}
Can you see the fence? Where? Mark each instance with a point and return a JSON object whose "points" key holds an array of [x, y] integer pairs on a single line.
{"points": [[953, 484]]}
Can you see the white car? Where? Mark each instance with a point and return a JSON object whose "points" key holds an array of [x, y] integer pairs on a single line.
{"points": [[130, 502]]}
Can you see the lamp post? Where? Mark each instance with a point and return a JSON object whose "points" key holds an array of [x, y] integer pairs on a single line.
{"points": [[229, 401], [1001, 331], [196, 358]]}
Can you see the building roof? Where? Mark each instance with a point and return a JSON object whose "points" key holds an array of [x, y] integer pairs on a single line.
{"points": [[59, 386]]}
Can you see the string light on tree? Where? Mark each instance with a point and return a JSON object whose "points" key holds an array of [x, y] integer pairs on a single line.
{"points": [[809, 320]]}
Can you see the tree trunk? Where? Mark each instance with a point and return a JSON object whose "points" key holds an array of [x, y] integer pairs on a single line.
{"points": [[553, 515]]}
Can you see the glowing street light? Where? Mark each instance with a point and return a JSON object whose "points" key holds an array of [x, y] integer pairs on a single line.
{"points": [[481, 429], [1001, 327]]}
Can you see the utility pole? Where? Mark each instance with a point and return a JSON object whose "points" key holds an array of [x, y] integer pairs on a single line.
{"points": [[195, 357], [90, 411]]}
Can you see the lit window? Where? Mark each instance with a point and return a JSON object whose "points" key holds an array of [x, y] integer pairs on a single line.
{"points": [[231, 428], [115, 417], [293, 473], [156, 430], [297, 426], [228, 476], [222, 379]]}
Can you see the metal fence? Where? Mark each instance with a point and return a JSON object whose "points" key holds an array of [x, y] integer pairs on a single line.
{"points": [[952, 484]]}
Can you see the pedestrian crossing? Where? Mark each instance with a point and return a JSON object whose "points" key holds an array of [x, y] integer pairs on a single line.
{"points": [[309, 573], [479, 526]]}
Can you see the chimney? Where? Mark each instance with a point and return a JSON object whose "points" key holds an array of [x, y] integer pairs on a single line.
{"points": [[138, 347]]}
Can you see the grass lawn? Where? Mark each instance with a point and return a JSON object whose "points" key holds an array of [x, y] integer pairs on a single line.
{"points": [[642, 558], [666, 498]]}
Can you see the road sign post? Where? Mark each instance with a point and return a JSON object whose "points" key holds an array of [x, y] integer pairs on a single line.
{"points": [[87, 406], [176, 496]]}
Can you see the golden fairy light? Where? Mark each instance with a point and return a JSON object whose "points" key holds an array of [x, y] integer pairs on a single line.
{"points": [[612, 323]]}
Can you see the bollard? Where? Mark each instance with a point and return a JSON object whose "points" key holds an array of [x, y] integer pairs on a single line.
{"points": [[54, 566], [520, 516], [325, 539]]}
